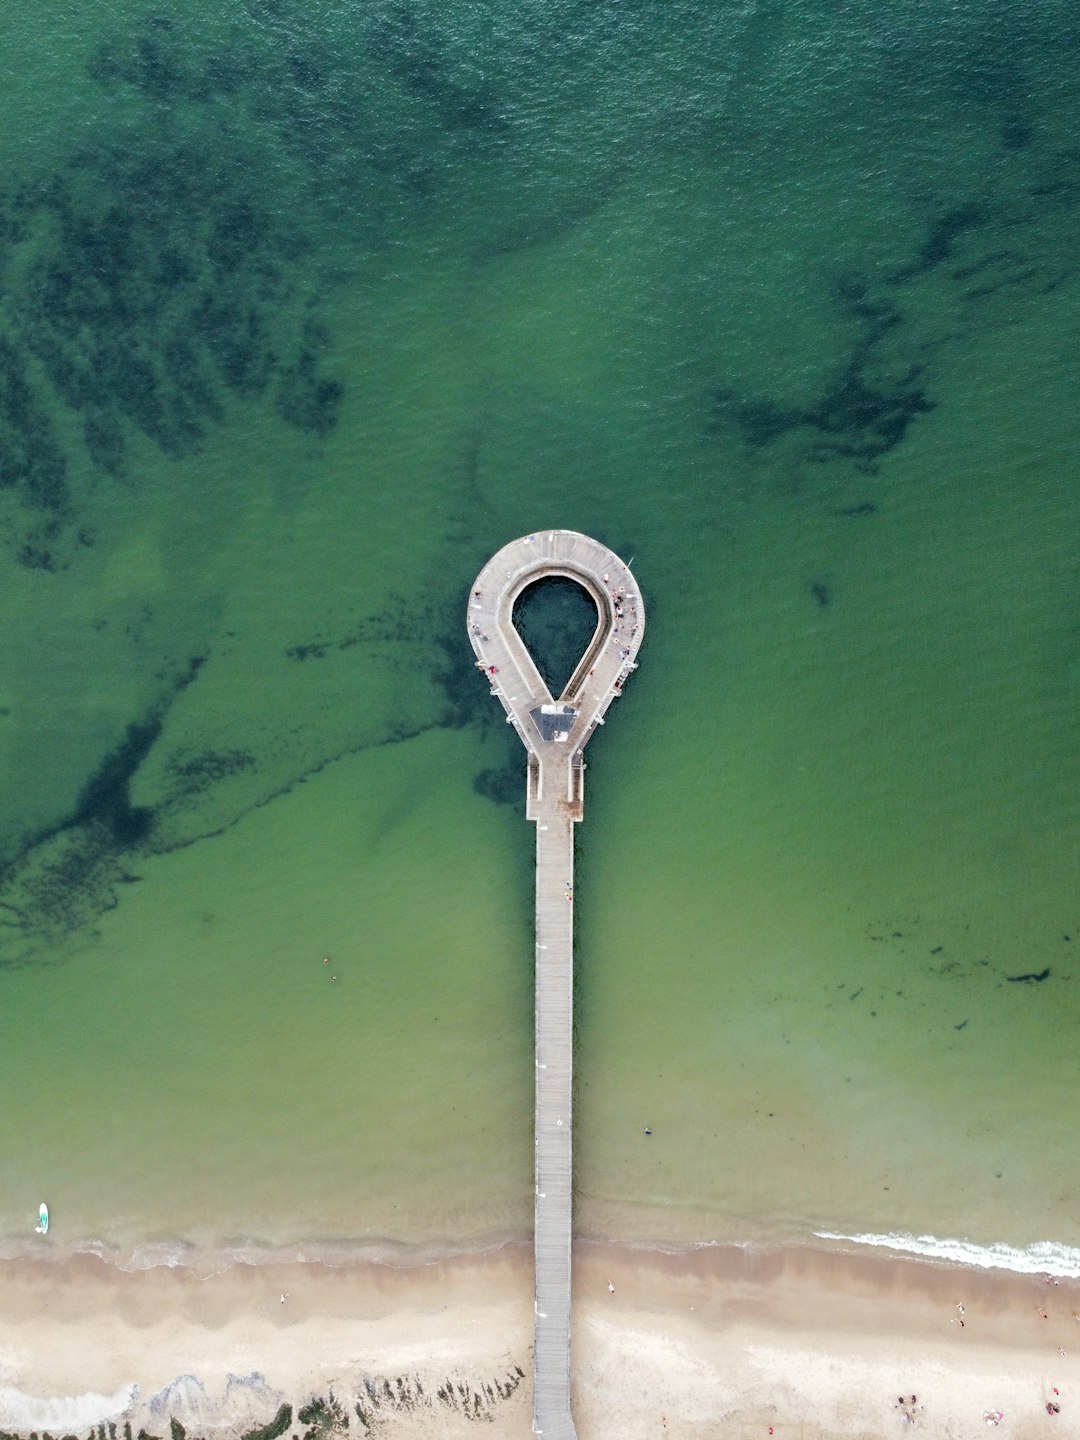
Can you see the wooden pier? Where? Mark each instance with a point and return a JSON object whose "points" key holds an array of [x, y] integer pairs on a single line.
{"points": [[554, 731]]}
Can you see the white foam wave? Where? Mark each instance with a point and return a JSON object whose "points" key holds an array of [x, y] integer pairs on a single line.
{"points": [[152, 1254], [62, 1413], [1044, 1257]]}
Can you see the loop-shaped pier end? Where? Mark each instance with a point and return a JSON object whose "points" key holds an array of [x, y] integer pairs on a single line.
{"points": [[554, 731]]}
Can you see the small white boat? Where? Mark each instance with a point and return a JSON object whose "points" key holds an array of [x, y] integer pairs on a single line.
{"points": [[43, 1219]]}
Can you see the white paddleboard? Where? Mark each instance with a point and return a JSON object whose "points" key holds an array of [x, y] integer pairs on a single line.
{"points": [[43, 1219]]}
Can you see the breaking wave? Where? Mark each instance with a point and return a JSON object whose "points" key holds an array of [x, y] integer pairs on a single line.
{"points": [[1044, 1257]]}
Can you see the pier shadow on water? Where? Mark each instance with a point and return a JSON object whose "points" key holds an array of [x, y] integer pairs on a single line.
{"points": [[556, 617]]}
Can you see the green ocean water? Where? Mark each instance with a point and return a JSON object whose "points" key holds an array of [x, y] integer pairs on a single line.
{"points": [[304, 315]]}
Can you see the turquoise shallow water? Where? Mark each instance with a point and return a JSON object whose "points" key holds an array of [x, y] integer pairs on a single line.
{"points": [[303, 318]]}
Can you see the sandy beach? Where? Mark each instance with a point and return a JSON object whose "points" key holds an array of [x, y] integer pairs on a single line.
{"points": [[714, 1342]]}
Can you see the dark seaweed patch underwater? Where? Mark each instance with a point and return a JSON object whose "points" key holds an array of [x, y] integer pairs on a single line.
{"points": [[154, 284], [166, 270]]}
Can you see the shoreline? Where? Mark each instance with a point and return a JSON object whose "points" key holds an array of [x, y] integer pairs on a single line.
{"points": [[1038, 1258], [810, 1340]]}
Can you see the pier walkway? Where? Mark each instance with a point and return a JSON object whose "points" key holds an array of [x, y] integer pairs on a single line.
{"points": [[554, 731]]}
